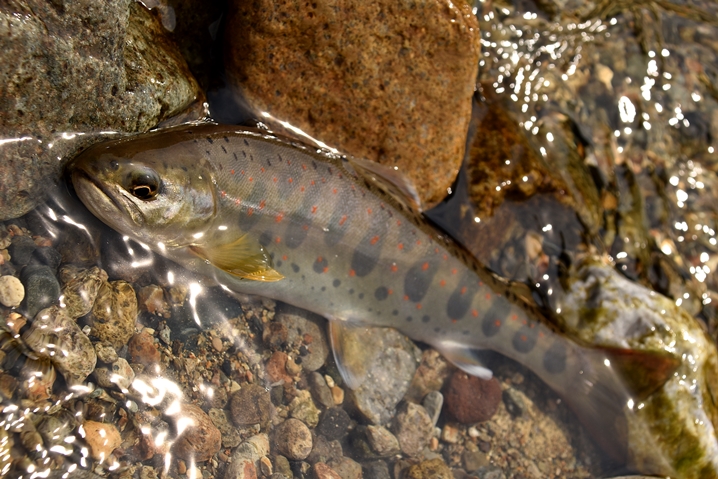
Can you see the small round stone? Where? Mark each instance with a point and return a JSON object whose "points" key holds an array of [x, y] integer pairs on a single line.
{"points": [[12, 292], [200, 441], [413, 428], [323, 471], [21, 250], [101, 439], [141, 349], [334, 423], [470, 399], [431, 469], [293, 439], [41, 288], [114, 313]]}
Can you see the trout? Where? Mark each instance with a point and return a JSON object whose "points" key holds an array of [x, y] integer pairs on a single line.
{"points": [[268, 216]]}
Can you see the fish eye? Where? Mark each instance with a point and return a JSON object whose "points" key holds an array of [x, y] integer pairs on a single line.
{"points": [[144, 184]]}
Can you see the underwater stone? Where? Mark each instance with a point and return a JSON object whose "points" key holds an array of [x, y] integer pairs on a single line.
{"points": [[41, 288], [293, 439], [199, 441], [79, 67], [81, 291], [12, 292], [21, 250], [114, 313], [55, 335], [470, 399], [387, 81], [413, 428]]}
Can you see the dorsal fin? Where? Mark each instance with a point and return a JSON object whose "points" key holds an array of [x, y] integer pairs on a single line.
{"points": [[389, 180]]}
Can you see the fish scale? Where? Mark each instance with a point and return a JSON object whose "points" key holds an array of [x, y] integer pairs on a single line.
{"points": [[345, 249]]}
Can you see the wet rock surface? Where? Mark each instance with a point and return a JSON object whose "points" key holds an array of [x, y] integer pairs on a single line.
{"points": [[79, 67], [332, 71]]}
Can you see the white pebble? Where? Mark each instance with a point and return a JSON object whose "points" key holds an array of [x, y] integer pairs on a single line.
{"points": [[12, 292]]}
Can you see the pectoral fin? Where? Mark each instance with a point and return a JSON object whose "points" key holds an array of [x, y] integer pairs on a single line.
{"points": [[244, 258]]}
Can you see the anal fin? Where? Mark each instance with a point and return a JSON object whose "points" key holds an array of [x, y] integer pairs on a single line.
{"points": [[464, 358]]}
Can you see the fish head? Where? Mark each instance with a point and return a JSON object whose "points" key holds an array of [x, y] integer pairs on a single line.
{"points": [[159, 194]]}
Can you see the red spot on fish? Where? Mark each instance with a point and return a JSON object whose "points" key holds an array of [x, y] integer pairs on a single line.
{"points": [[463, 290], [334, 190], [474, 313], [436, 250], [514, 317], [290, 180], [314, 209], [391, 291], [524, 322], [241, 172], [368, 210], [406, 297], [453, 271], [418, 305], [231, 171], [523, 337], [488, 296], [442, 283], [398, 222], [261, 205], [311, 182], [497, 323], [250, 211], [301, 188], [224, 194], [540, 334], [481, 283], [445, 257], [304, 167], [274, 179], [418, 242], [454, 321], [401, 245], [284, 257], [425, 266], [251, 179], [343, 220], [279, 217], [305, 227], [324, 180], [394, 268], [374, 240], [236, 202], [326, 268], [261, 169], [352, 273], [278, 240]]}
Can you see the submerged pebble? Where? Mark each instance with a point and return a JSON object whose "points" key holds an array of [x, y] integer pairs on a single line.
{"points": [[201, 439], [413, 428], [41, 288], [80, 292], [114, 313], [12, 292], [55, 335], [101, 439], [293, 439], [470, 399]]}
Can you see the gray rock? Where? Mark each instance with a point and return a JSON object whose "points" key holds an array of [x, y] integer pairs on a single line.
{"points": [[376, 470], [382, 441], [53, 331], [514, 403], [282, 466], [413, 428], [48, 256], [230, 435], [293, 439], [21, 250], [347, 468], [390, 360], [432, 403], [320, 390], [324, 450], [105, 353], [78, 66], [246, 457], [304, 331], [334, 424], [41, 288]]}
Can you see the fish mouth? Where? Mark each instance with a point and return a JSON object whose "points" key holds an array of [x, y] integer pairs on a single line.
{"points": [[104, 201]]}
